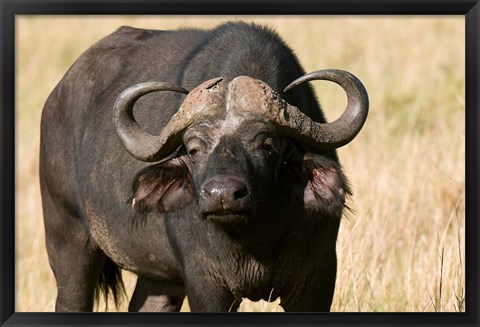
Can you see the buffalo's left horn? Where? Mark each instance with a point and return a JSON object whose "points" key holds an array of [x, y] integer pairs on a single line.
{"points": [[140, 144], [346, 127], [205, 102]]}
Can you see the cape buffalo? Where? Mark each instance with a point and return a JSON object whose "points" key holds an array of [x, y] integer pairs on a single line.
{"points": [[199, 160]]}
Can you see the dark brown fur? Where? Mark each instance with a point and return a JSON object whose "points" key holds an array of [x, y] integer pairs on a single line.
{"points": [[278, 240]]}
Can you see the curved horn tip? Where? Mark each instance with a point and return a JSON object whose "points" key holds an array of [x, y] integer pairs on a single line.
{"points": [[343, 130], [140, 144]]}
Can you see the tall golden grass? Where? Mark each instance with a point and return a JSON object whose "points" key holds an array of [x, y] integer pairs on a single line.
{"points": [[402, 248]]}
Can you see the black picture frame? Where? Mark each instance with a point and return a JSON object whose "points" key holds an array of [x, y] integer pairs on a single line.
{"points": [[10, 8]]}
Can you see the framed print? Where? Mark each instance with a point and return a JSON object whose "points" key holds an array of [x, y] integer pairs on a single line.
{"points": [[267, 163]]}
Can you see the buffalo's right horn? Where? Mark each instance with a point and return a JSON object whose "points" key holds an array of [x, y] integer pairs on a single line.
{"points": [[203, 103], [256, 99], [347, 126]]}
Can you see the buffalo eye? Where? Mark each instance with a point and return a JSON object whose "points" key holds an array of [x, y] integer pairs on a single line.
{"points": [[268, 144], [265, 142], [194, 146]]}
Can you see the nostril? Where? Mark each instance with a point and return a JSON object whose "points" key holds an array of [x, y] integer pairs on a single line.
{"points": [[209, 188], [241, 192]]}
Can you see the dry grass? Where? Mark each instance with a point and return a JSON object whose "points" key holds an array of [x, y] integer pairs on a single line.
{"points": [[403, 247]]}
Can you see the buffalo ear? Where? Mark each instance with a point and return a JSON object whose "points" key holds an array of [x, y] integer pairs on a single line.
{"points": [[319, 182], [163, 187]]}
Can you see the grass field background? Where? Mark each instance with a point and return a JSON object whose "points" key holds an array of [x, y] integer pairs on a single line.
{"points": [[402, 248]]}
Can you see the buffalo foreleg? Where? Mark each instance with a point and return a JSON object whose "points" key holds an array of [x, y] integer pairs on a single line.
{"points": [[152, 296], [208, 294]]}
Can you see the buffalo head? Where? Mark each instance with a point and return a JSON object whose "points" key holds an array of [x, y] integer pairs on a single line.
{"points": [[240, 149]]}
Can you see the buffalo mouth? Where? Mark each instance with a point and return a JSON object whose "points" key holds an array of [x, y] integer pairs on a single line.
{"points": [[228, 216]]}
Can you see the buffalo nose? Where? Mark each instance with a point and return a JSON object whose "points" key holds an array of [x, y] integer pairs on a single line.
{"points": [[224, 193]]}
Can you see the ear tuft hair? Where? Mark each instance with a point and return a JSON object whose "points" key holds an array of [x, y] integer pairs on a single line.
{"points": [[163, 187], [321, 185]]}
